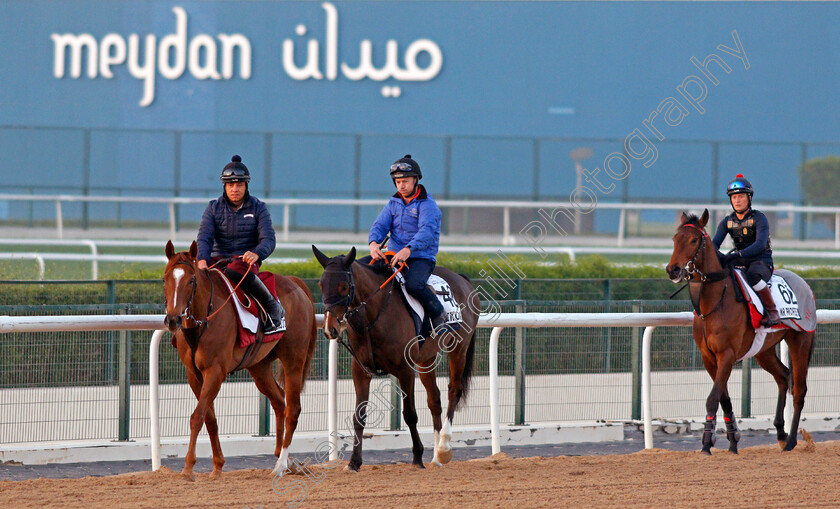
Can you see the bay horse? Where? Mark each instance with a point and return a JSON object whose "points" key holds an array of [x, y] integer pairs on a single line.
{"points": [[209, 350], [382, 338], [723, 333]]}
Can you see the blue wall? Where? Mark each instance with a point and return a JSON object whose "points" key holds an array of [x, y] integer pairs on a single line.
{"points": [[521, 84]]}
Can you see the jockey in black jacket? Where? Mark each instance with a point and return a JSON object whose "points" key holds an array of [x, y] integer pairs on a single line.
{"points": [[750, 232], [238, 224]]}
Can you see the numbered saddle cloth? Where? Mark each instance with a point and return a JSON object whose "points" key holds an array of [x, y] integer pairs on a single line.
{"points": [[794, 300], [451, 309]]}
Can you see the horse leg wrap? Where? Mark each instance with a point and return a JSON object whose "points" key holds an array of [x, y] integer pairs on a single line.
{"points": [[732, 432], [709, 431]]}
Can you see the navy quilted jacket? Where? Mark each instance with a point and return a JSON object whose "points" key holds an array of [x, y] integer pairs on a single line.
{"points": [[225, 232]]}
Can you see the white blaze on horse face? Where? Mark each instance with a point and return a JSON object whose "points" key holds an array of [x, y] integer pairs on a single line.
{"points": [[177, 274], [282, 462]]}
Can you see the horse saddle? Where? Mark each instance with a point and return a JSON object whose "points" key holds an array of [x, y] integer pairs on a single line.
{"points": [[248, 309], [792, 296], [441, 289]]}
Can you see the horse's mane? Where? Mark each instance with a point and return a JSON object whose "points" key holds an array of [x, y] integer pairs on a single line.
{"points": [[380, 268], [692, 219]]}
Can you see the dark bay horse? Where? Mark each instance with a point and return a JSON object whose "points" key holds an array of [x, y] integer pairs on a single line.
{"points": [[723, 334], [382, 338], [210, 352]]}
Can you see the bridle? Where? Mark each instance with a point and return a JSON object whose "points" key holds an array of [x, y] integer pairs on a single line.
{"points": [[187, 313], [691, 268], [346, 301]]}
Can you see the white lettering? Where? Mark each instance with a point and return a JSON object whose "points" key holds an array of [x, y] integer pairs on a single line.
{"points": [[176, 42], [106, 58], [208, 70], [172, 57], [145, 72], [75, 42]]}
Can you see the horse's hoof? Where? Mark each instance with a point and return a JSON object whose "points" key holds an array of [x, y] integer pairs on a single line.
{"points": [[420, 466], [188, 475], [706, 451], [445, 456], [782, 444], [733, 450], [788, 447], [216, 474], [351, 468], [436, 463]]}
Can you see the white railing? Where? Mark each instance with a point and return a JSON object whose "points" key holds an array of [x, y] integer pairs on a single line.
{"points": [[497, 322], [506, 206], [95, 256]]}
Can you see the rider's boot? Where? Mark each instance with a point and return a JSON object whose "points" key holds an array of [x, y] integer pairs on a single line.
{"points": [[276, 319], [434, 309], [771, 314]]}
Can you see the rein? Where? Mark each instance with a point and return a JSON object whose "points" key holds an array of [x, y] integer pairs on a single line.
{"points": [[350, 313], [187, 314], [712, 277]]}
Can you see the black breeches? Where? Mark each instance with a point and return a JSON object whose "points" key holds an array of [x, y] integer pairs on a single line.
{"points": [[758, 271]]}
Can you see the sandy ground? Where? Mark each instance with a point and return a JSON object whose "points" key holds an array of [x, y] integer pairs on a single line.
{"points": [[760, 476]]}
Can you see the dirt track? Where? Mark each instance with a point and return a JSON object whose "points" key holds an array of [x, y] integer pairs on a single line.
{"points": [[758, 477]]}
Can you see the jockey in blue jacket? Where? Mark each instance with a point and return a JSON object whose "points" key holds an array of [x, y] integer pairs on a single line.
{"points": [[412, 218], [236, 224], [750, 232]]}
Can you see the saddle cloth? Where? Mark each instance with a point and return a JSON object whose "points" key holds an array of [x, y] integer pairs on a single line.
{"points": [[248, 310], [794, 301], [451, 309]]}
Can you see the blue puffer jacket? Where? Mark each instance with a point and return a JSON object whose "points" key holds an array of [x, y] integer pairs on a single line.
{"points": [[416, 225], [225, 233]]}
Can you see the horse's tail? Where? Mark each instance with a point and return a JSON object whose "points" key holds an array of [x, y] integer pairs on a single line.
{"points": [[466, 376], [313, 333]]}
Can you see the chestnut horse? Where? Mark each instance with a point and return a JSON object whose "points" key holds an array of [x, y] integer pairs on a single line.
{"points": [[361, 300], [209, 350], [723, 334]]}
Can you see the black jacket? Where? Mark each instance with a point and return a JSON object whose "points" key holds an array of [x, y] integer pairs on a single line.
{"points": [[225, 232], [750, 235]]}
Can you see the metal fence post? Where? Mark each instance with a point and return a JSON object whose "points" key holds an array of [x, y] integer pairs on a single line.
{"points": [[635, 367], [746, 387], [396, 404], [265, 416], [519, 372], [110, 299], [607, 330], [125, 383]]}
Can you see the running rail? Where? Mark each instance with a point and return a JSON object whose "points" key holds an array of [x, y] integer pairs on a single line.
{"points": [[497, 322]]}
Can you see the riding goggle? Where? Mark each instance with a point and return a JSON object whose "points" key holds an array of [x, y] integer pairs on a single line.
{"points": [[737, 185], [401, 167], [235, 174]]}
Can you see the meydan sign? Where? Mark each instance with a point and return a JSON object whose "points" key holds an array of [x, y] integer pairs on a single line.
{"points": [[205, 58]]}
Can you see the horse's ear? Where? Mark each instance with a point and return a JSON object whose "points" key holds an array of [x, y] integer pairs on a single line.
{"points": [[193, 250], [683, 218], [350, 258], [705, 218], [170, 249], [321, 257]]}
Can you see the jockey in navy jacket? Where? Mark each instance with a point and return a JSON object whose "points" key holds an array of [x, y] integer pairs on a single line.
{"points": [[238, 225], [225, 232], [750, 232]]}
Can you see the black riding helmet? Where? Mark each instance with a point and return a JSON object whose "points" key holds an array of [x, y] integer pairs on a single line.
{"points": [[235, 171], [405, 167], [739, 185]]}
